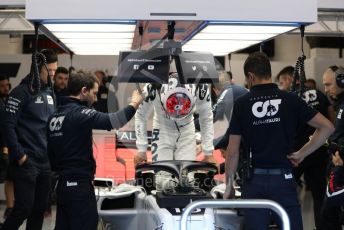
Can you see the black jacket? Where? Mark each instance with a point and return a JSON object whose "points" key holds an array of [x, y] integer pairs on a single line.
{"points": [[70, 137], [2, 122], [26, 117], [318, 101], [339, 123], [59, 94]]}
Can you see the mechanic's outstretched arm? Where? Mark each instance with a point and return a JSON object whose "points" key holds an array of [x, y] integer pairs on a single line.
{"points": [[108, 121], [231, 164], [324, 129], [123, 116]]}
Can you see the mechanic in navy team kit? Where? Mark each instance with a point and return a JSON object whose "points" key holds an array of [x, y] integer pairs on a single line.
{"points": [[333, 80], [314, 166], [267, 120], [70, 150], [28, 108], [226, 92]]}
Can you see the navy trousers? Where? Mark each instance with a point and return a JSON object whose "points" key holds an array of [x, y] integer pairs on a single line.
{"points": [[279, 188]]}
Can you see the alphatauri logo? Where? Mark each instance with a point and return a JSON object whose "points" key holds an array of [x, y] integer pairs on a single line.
{"points": [[56, 123], [267, 108], [309, 96], [339, 116]]}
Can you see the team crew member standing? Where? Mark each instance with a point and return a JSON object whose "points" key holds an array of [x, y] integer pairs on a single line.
{"points": [[267, 119], [60, 83], [70, 150], [5, 87], [227, 92], [333, 80], [27, 114], [314, 166]]}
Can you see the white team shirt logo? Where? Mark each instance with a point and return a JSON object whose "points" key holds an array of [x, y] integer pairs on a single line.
{"points": [[309, 96], [339, 116], [39, 100], [56, 123], [50, 100], [267, 108]]}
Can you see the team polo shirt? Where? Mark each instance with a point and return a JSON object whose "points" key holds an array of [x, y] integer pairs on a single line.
{"points": [[319, 102], [339, 123], [268, 119]]}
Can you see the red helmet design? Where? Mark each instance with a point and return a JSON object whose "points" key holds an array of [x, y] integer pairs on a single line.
{"points": [[178, 105]]}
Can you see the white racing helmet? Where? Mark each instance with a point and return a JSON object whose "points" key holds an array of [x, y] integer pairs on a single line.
{"points": [[178, 100]]}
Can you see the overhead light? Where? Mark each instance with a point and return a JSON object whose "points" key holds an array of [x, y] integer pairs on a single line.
{"points": [[221, 43], [226, 37], [98, 51], [92, 27], [96, 41], [92, 35], [227, 20], [94, 38], [214, 27], [229, 36], [102, 46]]}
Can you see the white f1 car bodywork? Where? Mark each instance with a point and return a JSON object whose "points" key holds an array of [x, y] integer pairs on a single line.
{"points": [[131, 207]]}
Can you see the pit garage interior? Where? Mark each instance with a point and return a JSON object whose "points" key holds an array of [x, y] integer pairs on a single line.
{"points": [[147, 23]]}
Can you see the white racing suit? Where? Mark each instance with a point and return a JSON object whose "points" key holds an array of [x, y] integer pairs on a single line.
{"points": [[174, 138]]}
